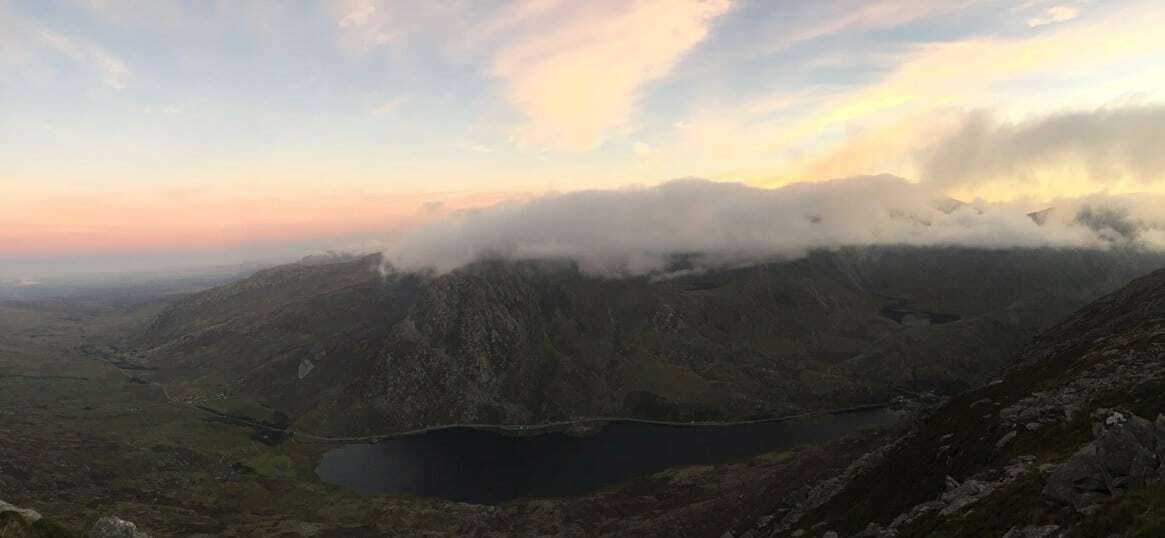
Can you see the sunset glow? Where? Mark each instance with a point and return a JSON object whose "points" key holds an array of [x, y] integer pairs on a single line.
{"points": [[131, 127]]}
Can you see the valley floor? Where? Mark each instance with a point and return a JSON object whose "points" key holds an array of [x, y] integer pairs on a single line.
{"points": [[82, 437]]}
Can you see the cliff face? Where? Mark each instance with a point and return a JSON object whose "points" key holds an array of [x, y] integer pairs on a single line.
{"points": [[342, 349], [1071, 442]]}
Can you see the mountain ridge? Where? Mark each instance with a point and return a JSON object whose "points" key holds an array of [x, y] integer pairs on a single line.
{"points": [[343, 349]]}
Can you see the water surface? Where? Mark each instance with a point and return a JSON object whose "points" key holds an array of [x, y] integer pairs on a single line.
{"points": [[481, 466]]}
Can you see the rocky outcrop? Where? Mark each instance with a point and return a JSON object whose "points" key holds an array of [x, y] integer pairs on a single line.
{"points": [[17, 522], [1061, 404], [114, 527], [1127, 453], [1033, 531], [1064, 444], [958, 497], [28, 514]]}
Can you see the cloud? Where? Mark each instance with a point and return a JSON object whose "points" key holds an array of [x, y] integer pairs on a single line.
{"points": [[577, 82], [367, 25], [358, 14], [390, 105], [838, 18], [641, 149], [26, 46], [432, 207], [877, 124], [1053, 15], [1105, 148], [113, 71], [641, 231], [573, 72], [474, 148], [970, 70]]}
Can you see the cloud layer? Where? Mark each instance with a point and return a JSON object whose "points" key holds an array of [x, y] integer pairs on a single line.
{"points": [[639, 231], [1104, 148], [578, 82], [573, 72]]}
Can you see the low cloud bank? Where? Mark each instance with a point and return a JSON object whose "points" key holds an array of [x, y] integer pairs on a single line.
{"points": [[639, 231], [1104, 147]]}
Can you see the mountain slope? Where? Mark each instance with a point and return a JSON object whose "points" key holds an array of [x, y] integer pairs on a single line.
{"points": [[1071, 442], [342, 350]]}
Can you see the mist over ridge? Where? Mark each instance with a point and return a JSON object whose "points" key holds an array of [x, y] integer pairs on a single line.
{"points": [[638, 231]]}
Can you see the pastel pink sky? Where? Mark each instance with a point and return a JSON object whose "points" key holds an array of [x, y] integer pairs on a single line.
{"points": [[170, 126]]}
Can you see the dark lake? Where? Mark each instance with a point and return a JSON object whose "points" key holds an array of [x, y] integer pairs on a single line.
{"points": [[487, 467]]}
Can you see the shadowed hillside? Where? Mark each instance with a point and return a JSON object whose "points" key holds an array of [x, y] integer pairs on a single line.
{"points": [[1070, 443], [342, 350]]}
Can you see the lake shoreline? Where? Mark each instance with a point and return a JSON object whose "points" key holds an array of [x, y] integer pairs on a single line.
{"points": [[584, 426]]}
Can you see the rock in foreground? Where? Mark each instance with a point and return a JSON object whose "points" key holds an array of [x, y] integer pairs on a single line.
{"points": [[115, 527]]}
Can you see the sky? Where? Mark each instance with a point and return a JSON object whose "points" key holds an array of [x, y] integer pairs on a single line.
{"points": [[138, 134]]}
